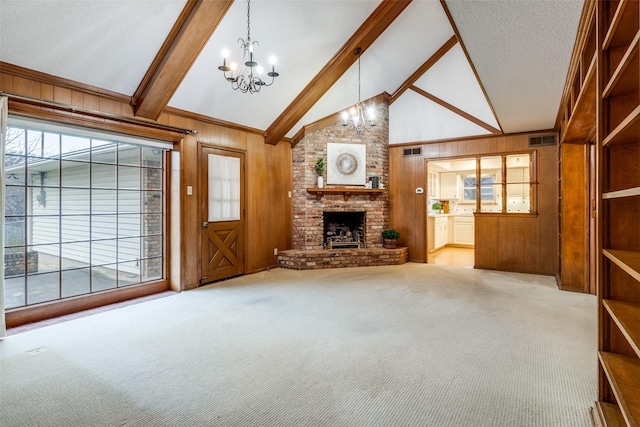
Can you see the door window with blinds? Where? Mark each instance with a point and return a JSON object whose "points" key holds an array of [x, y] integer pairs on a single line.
{"points": [[224, 188], [84, 212]]}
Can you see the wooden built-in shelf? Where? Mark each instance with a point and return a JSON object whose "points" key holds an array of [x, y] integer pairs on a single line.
{"points": [[627, 317], [582, 119], [627, 192], [623, 373], [625, 77], [610, 414], [627, 131], [346, 192], [618, 140], [622, 24], [629, 261]]}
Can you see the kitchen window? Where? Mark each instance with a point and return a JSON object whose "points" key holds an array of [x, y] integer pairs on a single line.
{"points": [[470, 185], [507, 183]]}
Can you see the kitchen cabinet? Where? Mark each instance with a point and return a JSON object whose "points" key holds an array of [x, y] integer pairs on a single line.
{"points": [[448, 185], [438, 232], [441, 232], [433, 185], [516, 182], [463, 230]]}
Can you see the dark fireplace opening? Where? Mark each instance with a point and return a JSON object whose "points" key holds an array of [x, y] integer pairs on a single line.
{"points": [[344, 230]]}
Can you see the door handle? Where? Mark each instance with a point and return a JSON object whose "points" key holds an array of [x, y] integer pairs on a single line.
{"points": [[205, 224]]}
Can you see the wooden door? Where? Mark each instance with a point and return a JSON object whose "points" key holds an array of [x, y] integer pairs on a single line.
{"points": [[222, 213]]}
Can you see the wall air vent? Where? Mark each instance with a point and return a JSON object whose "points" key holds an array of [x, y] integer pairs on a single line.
{"points": [[538, 140], [416, 151]]}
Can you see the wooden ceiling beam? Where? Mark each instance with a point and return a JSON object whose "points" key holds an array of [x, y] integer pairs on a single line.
{"points": [[189, 34], [369, 31], [456, 110], [446, 47]]}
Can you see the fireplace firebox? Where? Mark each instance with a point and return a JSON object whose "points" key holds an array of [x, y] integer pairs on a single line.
{"points": [[344, 229]]}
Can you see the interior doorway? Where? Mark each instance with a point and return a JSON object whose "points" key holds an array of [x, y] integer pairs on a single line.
{"points": [[450, 217]]}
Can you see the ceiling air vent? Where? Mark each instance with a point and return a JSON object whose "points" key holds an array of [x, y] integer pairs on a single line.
{"points": [[538, 140], [417, 151]]}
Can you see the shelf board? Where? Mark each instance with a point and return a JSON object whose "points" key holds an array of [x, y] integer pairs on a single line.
{"points": [[627, 131], [627, 192], [621, 24], [610, 414], [623, 373], [627, 260], [346, 192], [625, 77], [627, 317], [583, 118]]}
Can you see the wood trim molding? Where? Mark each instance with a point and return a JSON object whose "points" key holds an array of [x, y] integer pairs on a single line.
{"points": [[364, 37], [26, 73], [457, 111], [446, 47], [213, 121], [35, 313], [468, 138], [72, 115], [466, 53], [190, 33]]}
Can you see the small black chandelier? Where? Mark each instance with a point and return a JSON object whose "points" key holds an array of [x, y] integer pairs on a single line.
{"points": [[361, 117], [247, 78]]}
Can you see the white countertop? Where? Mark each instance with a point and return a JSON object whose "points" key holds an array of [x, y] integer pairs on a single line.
{"points": [[449, 214]]}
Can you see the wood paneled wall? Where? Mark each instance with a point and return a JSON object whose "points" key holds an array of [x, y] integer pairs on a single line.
{"points": [[268, 169], [521, 243], [574, 218]]}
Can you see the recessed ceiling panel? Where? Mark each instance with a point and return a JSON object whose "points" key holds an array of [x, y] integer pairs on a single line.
{"points": [[414, 118], [452, 80], [107, 44]]}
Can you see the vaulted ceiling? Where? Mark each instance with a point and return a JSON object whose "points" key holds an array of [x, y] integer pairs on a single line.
{"points": [[452, 68]]}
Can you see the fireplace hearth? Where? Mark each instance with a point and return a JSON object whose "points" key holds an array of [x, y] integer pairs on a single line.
{"points": [[344, 229]]}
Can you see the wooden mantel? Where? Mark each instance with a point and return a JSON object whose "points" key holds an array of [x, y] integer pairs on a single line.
{"points": [[346, 192]]}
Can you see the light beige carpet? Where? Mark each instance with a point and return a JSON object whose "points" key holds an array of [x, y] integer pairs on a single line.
{"points": [[410, 345]]}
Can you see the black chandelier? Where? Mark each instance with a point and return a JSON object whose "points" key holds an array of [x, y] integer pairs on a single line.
{"points": [[361, 117], [247, 78]]}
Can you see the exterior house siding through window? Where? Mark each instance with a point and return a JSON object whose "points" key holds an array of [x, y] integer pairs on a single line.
{"points": [[91, 209]]}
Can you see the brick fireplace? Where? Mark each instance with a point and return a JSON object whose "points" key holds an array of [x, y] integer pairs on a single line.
{"points": [[309, 234], [308, 209]]}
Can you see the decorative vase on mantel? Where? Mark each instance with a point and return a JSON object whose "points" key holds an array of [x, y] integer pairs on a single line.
{"points": [[319, 168]]}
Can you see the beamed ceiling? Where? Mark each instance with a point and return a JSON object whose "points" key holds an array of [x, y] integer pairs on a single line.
{"points": [[451, 68]]}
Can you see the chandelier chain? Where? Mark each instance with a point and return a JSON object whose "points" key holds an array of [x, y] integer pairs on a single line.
{"points": [[248, 21], [359, 100]]}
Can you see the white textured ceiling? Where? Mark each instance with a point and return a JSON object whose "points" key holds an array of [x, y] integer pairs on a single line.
{"points": [[520, 50]]}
